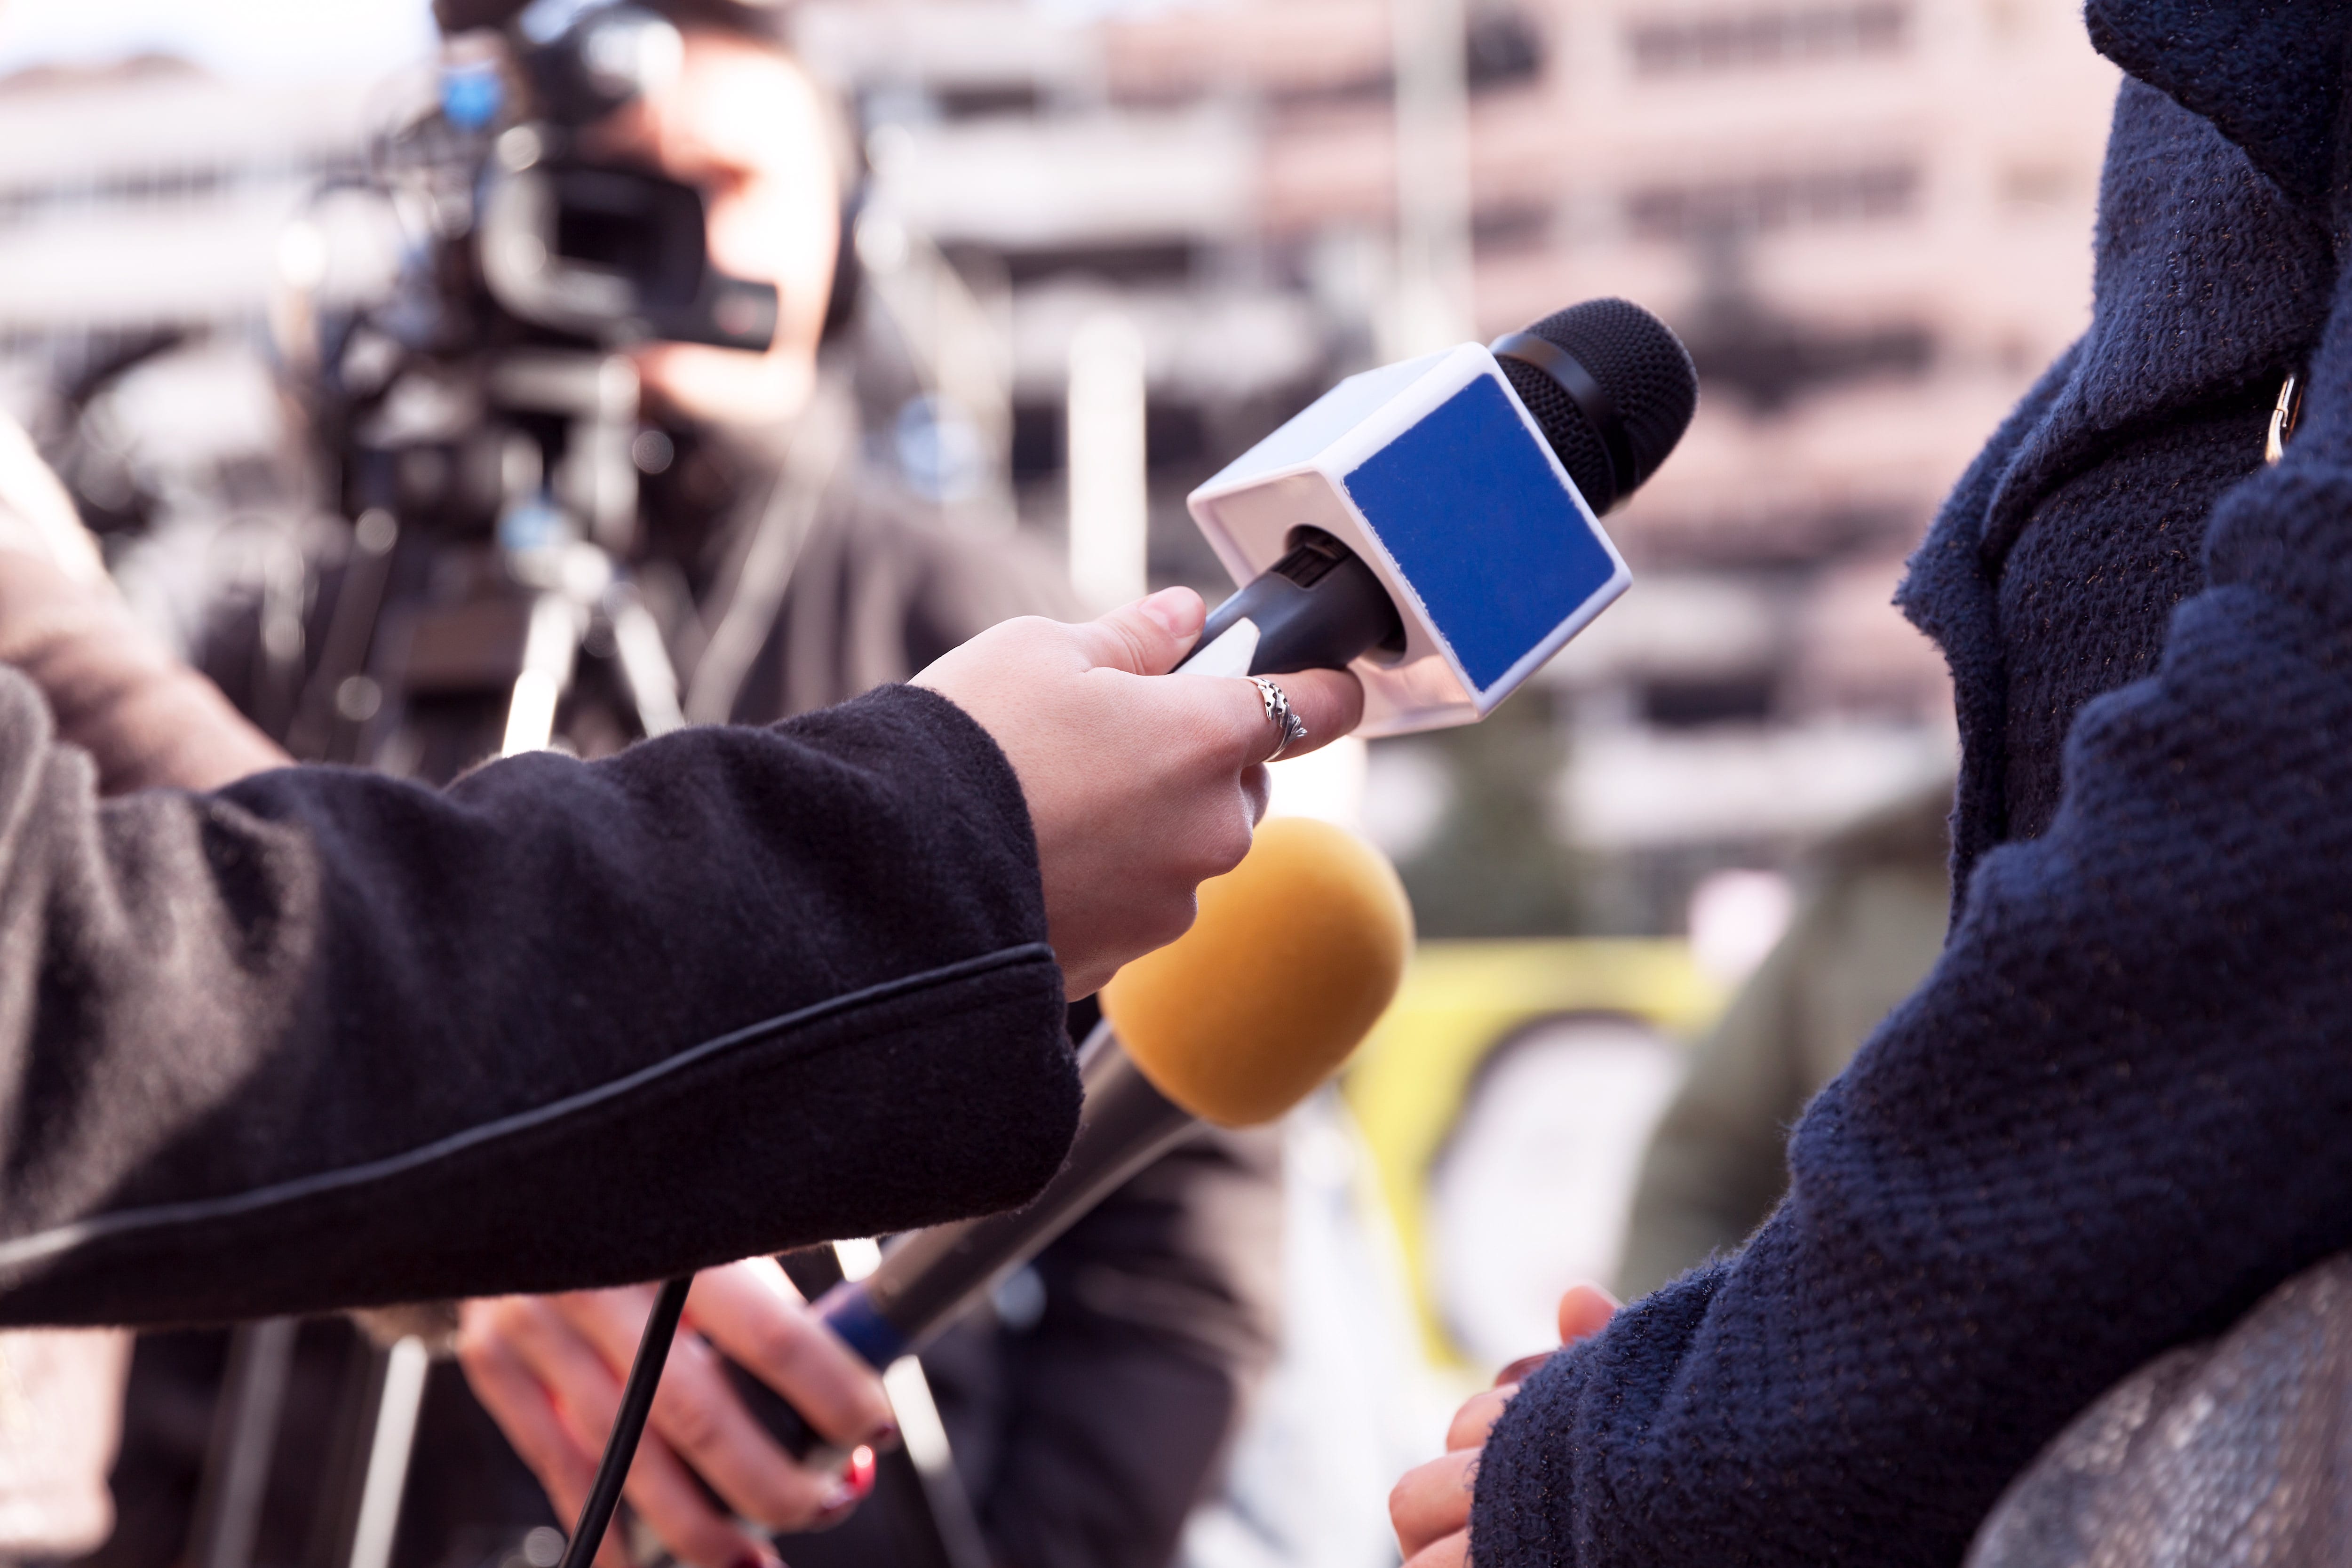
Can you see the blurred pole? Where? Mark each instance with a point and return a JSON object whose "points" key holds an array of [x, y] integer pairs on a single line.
{"points": [[926, 1437], [1433, 306], [975, 312], [389, 1447], [1110, 505], [958, 332], [244, 1441]]}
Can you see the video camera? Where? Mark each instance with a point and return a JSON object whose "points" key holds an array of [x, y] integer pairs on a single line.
{"points": [[481, 419], [606, 253]]}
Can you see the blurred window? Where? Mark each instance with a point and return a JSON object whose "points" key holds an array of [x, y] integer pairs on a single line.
{"points": [[148, 186], [1730, 40], [1760, 203], [1511, 228], [1502, 47]]}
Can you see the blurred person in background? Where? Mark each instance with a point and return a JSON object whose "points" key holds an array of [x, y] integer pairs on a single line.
{"points": [[2117, 1114], [1875, 898], [1087, 1417], [61, 1391]]}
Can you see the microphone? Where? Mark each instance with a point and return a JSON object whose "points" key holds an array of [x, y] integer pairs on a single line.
{"points": [[1293, 957], [1435, 524]]}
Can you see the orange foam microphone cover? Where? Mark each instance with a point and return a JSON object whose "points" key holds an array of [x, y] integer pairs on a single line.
{"points": [[1296, 954]]}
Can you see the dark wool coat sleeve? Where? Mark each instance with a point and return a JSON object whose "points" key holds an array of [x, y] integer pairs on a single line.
{"points": [[326, 1038], [2115, 1115]]}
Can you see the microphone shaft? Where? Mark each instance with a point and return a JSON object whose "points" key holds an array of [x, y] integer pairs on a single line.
{"points": [[1318, 608], [929, 1277]]}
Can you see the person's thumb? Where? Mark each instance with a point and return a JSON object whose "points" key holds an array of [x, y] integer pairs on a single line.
{"points": [[1148, 637]]}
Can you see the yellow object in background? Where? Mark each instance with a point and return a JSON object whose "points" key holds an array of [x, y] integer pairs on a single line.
{"points": [[1463, 1001]]}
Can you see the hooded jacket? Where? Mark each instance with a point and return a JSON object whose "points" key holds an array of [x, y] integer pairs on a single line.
{"points": [[2118, 1110]]}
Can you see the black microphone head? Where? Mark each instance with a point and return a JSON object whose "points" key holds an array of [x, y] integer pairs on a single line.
{"points": [[1610, 386]]}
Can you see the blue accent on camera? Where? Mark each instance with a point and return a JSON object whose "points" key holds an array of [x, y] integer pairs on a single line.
{"points": [[1538, 557], [472, 95], [849, 1312]]}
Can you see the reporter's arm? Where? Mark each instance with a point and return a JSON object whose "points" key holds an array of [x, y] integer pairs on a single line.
{"points": [[329, 1039], [326, 1038]]}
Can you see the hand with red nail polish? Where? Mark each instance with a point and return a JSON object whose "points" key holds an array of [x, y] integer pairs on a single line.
{"points": [[1431, 1506], [549, 1369]]}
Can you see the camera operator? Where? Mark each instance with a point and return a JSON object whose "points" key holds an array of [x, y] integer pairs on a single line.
{"points": [[781, 582]]}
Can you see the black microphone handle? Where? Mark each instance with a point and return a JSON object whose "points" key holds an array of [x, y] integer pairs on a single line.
{"points": [[928, 1278], [1318, 608]]}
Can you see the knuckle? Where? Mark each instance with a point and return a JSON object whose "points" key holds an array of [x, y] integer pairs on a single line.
{"points": [[696, 1426], [477, 1356], [795, 1357], [779, 1345]]}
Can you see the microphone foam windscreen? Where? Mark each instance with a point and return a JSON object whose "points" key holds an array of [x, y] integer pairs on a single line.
{"points": [[1646, 372], [1296, 954]]}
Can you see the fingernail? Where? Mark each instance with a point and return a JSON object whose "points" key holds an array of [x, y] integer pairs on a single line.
{"points": [[839, 1500], [758, 1560], [1172, 609], [885, 1440]]}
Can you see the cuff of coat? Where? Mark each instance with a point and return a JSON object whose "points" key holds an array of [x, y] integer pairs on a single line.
{"points": [[915, 733]]}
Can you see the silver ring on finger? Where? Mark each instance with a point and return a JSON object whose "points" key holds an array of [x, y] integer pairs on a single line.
{"points": [[1288, 727]]}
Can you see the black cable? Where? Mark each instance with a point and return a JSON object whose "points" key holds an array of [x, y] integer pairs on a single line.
{"points": [[628, 1425]]}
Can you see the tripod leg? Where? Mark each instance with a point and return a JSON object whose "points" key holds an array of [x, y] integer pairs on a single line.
{"points": [[397, 1404], [549, 650], [244, 1440]]}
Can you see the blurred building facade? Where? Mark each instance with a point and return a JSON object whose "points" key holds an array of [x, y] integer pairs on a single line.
{"points": [[145, 213], [1869, 218], [148, 197]]}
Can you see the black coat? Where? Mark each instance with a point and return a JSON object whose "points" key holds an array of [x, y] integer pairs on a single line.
{"points": [[326, 1038], [2119, 1110]]}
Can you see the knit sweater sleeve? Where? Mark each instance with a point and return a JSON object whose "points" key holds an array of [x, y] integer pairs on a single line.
{"points": [[2117, 1113], [326, 1038]]}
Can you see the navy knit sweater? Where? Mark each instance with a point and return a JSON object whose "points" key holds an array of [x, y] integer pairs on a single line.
{"points": [[2120, 1109]]}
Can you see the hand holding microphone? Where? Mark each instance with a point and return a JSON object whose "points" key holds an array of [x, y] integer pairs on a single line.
{"points": [[1138, 787], [548, 1369]]}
